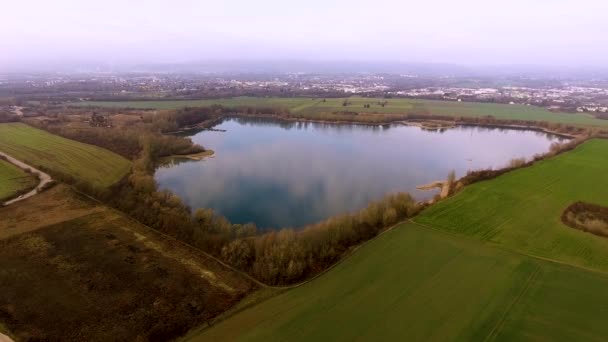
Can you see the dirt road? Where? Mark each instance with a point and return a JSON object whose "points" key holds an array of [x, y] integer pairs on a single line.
{"points": [[4, 338], [44, 178]]}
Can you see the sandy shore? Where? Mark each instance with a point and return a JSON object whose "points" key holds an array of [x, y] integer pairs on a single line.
{"points": [[195, 156], [442, 185]]}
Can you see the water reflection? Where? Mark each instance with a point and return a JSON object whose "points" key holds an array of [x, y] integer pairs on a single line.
{"points": [[287, 173]]}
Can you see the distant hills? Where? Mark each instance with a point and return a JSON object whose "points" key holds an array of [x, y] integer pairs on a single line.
{"points": [[281, 66]]}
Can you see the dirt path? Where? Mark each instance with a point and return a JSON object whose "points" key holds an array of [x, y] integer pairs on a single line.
{"points": [[4, 338], [44, 178]]}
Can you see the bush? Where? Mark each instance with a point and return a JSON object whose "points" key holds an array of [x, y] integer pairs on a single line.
{"points": [[587, 217], [517, 163]]}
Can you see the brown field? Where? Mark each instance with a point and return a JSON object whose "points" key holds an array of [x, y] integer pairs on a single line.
{"points": [[73, 270], [53, 206]]}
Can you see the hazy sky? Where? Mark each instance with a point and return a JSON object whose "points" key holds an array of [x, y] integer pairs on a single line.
{"points": [[549, 32]]}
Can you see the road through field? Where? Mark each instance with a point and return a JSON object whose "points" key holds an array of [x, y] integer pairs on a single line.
{"points": [[44, 178], [4, 338]]}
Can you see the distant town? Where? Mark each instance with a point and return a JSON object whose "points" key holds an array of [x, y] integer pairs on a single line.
{"points": [[563, 95]]}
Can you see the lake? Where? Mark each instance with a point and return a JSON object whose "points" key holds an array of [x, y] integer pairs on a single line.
{"points": [[290, 174]]}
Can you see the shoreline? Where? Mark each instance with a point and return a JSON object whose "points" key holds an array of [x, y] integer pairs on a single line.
{"points": [[206, 125], [521, 127], [193, 156], [340, 122], [444, 189], [442, 125], [420, 123]]}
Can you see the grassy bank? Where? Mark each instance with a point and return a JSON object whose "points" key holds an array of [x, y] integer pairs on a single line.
{"points": [[38, 148], [13, 180], [521, 210], [415, 283], [316, 108]]}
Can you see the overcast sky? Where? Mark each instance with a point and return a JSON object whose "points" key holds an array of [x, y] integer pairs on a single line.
{"points": [[545, 32]]}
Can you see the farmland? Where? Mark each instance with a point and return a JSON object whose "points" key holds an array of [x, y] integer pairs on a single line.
{"points": [[307, 108], [13, 180], [521, 210], [415, 283], [493, 262], [38, 148], [75, 270]]}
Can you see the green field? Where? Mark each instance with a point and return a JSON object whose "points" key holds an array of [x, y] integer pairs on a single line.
{"points": [[38, 148], [13, 180], [308, 106], [415, 283], [521, 210]]}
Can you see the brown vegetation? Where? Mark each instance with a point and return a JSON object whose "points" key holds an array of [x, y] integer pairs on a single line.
{"points": [[516, 163], [53, 206], [450, 184], [6, 116], [130, 140], [73, 270], [587, 217]]}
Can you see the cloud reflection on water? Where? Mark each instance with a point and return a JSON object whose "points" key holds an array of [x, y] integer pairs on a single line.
{"points": [[280, 174]]}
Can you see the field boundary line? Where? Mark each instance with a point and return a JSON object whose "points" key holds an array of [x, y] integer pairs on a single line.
{"points": [[510, 250]]}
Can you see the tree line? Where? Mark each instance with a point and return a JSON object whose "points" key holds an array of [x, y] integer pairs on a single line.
{"points": [[6, 116]]}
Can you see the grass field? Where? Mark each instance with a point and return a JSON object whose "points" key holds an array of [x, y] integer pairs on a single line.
{"points": [[38, 148], [415, 283], [308, 107], [521, 210], [13, 180], [74, 270]]}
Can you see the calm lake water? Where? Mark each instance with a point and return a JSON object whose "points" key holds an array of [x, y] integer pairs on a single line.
{"points": [[279, 174]]}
